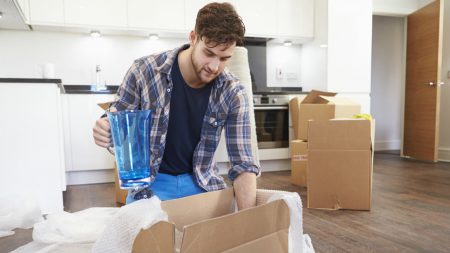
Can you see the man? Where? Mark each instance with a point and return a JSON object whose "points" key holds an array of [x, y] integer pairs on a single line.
{"points": [[193, 98]]}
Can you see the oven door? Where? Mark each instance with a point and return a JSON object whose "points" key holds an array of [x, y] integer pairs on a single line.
{"points": [[272, 129]]}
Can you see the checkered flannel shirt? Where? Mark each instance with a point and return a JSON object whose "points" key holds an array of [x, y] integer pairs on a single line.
{"points": [[148, 85]]}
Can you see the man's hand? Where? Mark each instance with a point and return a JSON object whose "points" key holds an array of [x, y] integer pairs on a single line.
{"points": [[245, 190], [102, 132]]}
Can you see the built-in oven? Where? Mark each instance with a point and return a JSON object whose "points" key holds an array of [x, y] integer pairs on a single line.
{"points": [[272, 120]]}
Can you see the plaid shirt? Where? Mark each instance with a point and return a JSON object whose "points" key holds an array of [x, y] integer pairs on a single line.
{"points": [[148, 85]]}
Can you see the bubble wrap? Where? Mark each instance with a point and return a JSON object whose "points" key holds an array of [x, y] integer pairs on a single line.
{"points": [[119, 234], [298, 242]]}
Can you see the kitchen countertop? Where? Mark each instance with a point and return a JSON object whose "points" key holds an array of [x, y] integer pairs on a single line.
{"points": [[29, 80], [65, 88], [89, 89]]}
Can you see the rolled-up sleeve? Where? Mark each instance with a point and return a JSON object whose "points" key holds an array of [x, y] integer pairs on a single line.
{"points": [[238, 136], [128, 93]]}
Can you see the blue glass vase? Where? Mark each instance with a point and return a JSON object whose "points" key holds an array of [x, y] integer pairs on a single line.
{"points": [[131, 137]]}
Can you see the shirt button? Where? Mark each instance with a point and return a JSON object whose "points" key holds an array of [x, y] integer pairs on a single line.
{"points": [[168, 90], [215, 123]]}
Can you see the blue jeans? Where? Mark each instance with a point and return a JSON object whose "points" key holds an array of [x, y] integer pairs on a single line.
{"points": [[168, 187]]}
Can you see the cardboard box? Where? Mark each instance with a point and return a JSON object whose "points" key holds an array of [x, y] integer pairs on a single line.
{"points": [[319, 105], [299, 162], [340, 162], [209, 225]]}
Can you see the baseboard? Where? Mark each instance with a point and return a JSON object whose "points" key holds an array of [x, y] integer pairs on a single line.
{"points": [[90, 177], [387, 145], [444, 154]]}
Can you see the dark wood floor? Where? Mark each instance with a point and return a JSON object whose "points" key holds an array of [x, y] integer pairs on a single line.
{"points": [[411, 210]]}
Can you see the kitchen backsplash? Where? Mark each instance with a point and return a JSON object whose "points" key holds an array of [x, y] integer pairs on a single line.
{"points": [[75, 56]]}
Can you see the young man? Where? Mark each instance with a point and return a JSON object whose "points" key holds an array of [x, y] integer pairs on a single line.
{"points": [[193, 98]]}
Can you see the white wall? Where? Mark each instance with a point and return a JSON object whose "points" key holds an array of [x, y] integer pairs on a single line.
{"points": [[444, 135], [314, 58], [349, 49], [74, 55], [288, 59], [387, 80]]}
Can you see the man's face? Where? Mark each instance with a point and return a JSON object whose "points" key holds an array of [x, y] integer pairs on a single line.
{"points": [[208, 62]]}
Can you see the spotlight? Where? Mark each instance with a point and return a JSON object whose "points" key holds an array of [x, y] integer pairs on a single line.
{"points": [[95, 34], [287, 43], [153, 36]]}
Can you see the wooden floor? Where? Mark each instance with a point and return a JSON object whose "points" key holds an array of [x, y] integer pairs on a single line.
{"points": [[411, 210]]}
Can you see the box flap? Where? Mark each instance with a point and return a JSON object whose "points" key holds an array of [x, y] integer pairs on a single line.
{"points": [[315, 97], [230, 231], [159, 238], [199, 207], [339, 100], [340, 134], [294, 107], [276, 242], [105, 105]]}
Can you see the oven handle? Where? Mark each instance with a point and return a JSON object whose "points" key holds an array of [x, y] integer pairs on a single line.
{"points": [[281, 107]]}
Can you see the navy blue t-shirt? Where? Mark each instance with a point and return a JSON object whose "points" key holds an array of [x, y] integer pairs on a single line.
{"points": [[187, 110]]}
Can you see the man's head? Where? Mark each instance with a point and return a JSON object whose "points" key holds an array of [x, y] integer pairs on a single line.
{"points": [[218, 23], [218, 29]]}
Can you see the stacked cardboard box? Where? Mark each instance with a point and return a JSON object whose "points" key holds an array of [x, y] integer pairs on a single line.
{"points": [[340, 162], [317, 105]]}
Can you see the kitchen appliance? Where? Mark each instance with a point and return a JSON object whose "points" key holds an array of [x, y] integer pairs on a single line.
{"points": [[272, 119]]}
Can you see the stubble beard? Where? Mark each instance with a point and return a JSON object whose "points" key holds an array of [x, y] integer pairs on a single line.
{"points": [[197, 70]]}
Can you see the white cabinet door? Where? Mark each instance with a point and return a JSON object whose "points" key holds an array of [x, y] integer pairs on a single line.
{"points": [[31, 143], [156, 14], [259, 17], [25, 7], [82, 153], [46, 12], [296, 18], [111, 13]]}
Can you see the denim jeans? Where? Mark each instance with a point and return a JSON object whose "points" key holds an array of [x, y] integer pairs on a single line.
{"points": [[168, 187]]}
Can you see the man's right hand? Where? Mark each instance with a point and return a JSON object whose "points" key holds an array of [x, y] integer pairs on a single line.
{"points": [[102, 132]]}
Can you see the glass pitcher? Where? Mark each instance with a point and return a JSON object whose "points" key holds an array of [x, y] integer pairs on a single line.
{"points": [[131, 137]]}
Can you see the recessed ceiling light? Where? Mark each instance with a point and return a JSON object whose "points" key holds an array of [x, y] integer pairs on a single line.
{"points": [[323, 45], [95, 34], [153, 36], [287, 43]]}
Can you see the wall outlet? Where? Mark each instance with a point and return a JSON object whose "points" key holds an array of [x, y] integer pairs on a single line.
{"points": [[448, 74], [279, 74]]}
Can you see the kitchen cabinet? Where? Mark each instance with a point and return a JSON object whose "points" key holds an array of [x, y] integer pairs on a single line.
{"points": [[190, 13], [46, 12], [96, 12], [283, 19], [25, 7], [31, 146], [295, 18], [156, 14], [81, 111], [260, 18]]}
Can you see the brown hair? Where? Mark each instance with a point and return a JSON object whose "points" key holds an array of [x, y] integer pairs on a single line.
{"points": [[218, 23]]}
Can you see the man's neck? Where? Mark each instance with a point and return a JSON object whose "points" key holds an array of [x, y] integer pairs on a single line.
{"points": [[187, 69]]}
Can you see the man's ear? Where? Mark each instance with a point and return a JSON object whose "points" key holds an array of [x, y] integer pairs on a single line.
{"points": [[192, 37]]}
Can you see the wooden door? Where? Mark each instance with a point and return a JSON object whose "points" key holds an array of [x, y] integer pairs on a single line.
{"points": [[422, 92]]}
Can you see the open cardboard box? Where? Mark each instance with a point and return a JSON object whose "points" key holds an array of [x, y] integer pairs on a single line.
{"points": [[319, 105], [209, 225], [340, 164]]}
